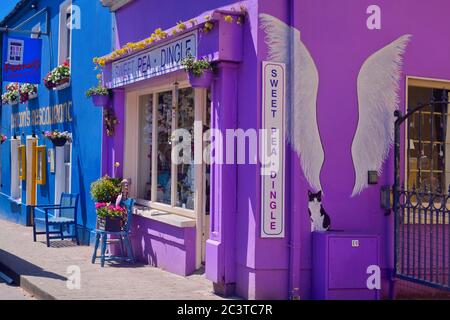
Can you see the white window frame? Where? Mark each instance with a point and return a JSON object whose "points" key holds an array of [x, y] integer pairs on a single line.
{"points": [[63, 55], [8, 58], [61, 179], [131, 154], [16, 183]]}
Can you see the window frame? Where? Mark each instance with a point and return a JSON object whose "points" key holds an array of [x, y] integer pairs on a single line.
{"points": [[132, 162], [413, 81], [63, 45]]}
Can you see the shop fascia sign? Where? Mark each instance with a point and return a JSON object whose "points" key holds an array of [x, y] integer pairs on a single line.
{"points": [[273, 173], [154, 62]]}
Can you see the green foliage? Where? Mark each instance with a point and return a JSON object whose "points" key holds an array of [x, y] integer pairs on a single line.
{"points": [[197, 67], [106, 190], [98, 90]]}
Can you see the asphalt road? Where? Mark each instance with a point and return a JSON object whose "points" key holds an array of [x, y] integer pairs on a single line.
{"points": [[12, 293]]}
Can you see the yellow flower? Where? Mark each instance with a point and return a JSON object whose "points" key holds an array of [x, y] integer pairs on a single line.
{"points": [[158, 32], [193, 22], [174, 32], [117, 164], [95, 60], [208, 26], [208, 17], [228, 19], [181, 26], [239, 20]]}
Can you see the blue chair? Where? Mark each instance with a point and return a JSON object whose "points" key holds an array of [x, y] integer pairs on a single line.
{"points": [[67, 217], [101, 236]]}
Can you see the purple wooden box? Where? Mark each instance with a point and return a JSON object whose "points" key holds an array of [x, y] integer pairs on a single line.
{"points": [[340, 263]]}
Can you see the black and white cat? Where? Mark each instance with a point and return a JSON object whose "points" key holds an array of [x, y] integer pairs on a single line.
{"points": [[320, 220]]}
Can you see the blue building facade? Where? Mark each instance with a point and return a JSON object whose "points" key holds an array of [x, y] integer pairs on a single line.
{"points": [[73, 31]]}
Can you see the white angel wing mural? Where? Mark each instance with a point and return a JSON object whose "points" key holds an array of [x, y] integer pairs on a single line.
{"points": [[378, 87], [285, 46]]}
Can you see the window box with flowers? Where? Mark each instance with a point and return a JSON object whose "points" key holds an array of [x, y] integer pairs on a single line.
{"points": [[11, 96], [28, 92], [59, 139], [58, 78]]}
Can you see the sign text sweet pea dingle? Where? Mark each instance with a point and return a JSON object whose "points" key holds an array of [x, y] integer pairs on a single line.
{"points": [[154, 62], [273, 121]]}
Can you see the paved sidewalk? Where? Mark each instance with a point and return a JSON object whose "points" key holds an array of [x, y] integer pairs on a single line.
{"points": [[43, 272]]}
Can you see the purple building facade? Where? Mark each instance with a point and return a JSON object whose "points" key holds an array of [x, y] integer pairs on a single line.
{"points": [[345, 67]]}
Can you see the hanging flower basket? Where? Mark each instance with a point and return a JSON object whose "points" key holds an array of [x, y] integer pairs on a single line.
{"points": [[59, 142], [200, 72], [58, 78], [11, 96], [100, 100], [27, 92], [203, 81], [59, 139]]}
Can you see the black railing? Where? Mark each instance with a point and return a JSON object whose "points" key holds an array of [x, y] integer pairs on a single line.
{"points": [[422, 211]]}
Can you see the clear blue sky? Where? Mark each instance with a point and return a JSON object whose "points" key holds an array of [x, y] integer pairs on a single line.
{"points": [[6, 6]]}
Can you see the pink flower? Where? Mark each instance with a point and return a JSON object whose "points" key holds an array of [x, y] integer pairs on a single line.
{"points": [[99, 205]]}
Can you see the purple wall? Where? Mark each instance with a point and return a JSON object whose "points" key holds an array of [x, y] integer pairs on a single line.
{"points": [[150, 15], [164, 246], [339, 41]]}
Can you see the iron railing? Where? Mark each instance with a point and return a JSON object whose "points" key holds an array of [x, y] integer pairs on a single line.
{"points": [[422, 217]]}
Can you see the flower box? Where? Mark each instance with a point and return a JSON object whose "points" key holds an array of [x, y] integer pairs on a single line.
{"points": [[59, 142], [100, 100], [32, 96], [203, 81], [63, 85], [109, 224]]}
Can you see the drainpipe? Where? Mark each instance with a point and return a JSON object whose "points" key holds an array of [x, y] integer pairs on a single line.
{"points": [[294, 241]]}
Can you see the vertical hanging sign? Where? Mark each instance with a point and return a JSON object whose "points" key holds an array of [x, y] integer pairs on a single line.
{"points": [[273, 146]]}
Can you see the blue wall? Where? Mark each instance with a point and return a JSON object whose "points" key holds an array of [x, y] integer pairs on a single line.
{"points": [[93, 39]]}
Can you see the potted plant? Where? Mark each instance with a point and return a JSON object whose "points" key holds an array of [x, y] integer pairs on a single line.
{"points": [[99, 94], [106, 192], [59, 139], [59, 77], [28, 92], [11, 96], [110, 217], [200, 72], [3, 138]]}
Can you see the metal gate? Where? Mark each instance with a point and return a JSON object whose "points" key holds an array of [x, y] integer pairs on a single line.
{"points": [[421, 194]]}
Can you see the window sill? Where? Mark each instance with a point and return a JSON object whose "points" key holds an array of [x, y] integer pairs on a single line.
{"points": [[164, 217]]}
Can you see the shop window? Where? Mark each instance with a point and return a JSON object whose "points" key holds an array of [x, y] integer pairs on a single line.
{"points": [[41, 165], [145, 147], [186, 171], [164, 145], [17, 154], [162, 184], [65, 32], [428, 138]]}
